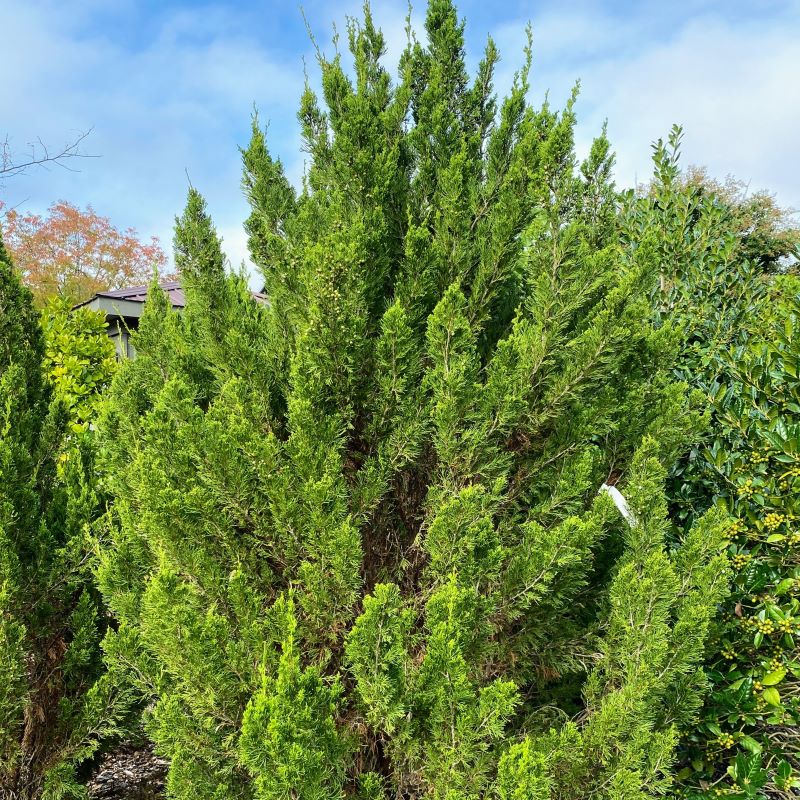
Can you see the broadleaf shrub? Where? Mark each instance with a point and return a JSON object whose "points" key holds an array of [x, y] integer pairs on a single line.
{"points": [[721, 283]]}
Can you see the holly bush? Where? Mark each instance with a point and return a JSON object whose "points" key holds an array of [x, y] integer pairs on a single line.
{"points": [[754, 708], [740, 351]]}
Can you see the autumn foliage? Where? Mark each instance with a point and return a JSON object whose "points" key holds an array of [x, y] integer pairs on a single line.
{"points": [[74, 253]]}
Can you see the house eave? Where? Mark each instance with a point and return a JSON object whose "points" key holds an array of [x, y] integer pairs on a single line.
{"points": [[114, 307]]}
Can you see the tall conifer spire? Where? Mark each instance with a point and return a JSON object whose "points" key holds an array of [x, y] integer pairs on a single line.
{"points": [[390, 572]]}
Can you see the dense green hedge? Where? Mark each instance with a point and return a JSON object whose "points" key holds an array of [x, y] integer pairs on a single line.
{"points": [[360, 543]]}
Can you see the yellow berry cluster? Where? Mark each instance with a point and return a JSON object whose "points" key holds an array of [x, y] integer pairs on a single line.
{"points": [[786, 625], [746, 489], [726, 740], [757, 686], [739, 560], [736, 527], [774, 664], [757, 457], [773, 520], [765, 626]]}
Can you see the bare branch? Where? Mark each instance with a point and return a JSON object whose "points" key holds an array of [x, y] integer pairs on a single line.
{"points": [[40, 155]]}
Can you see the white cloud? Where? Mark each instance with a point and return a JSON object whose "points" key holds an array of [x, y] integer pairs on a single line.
{"points": [[733, 89], [177, 105], [731, 85]]}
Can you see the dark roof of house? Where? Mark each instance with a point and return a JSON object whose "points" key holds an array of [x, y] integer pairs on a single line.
{"points": [[138, 294], [116, 300]]}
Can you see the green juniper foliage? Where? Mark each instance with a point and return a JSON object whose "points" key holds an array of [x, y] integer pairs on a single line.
{"points": [[56, 701], [359, 547]]}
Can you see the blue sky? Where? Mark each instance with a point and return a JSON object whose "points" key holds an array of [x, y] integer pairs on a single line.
{"points": [[168, 88]]}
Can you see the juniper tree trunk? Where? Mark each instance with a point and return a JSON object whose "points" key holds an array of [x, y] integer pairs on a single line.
{"points": [[360, 547]]}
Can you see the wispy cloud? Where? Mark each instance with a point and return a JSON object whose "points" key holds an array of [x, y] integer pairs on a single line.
{"points": [[727, 79]]}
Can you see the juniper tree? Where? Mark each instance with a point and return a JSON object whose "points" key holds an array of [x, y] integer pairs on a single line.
{"points": [[359, 547], [56, 702]]}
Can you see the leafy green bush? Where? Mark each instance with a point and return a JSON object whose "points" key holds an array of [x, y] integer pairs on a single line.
{"points": [[755, 705], [741, 351], [360, 547], [79, 359], [707, 290]]}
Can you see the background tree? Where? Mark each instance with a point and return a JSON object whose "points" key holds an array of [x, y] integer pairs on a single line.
{"points": [[359, 547], [73, 253], [56, 702], [769, 235]]}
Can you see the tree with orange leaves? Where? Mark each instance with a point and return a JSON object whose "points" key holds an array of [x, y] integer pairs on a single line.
{"points": [[73, 253]]}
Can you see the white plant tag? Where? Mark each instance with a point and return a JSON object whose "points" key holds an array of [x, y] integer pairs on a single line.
{"points": [[621, 503]]}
